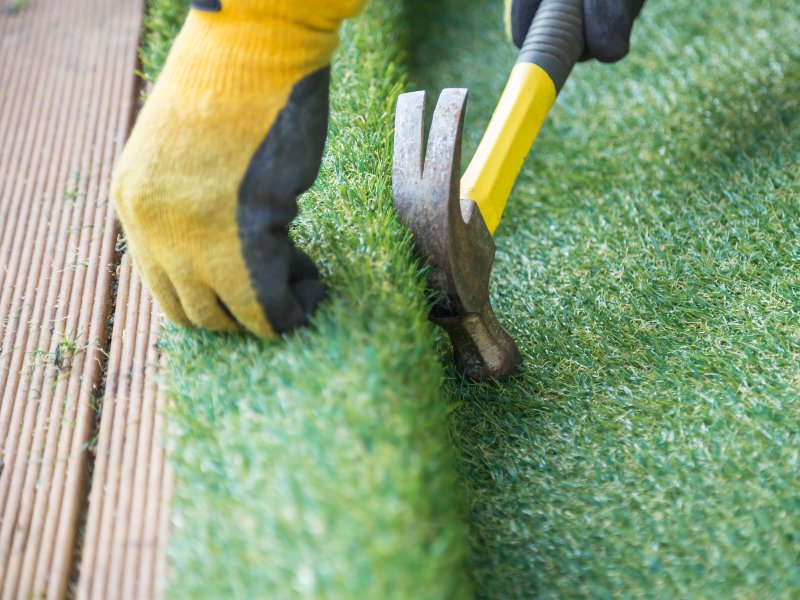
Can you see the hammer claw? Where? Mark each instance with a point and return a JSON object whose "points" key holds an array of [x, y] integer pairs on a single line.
{"points": [[442, 170], [408, 156], [450, 234]]}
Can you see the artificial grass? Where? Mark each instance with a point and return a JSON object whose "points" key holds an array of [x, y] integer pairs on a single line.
{"points": [[648, 266], [319, 466]]}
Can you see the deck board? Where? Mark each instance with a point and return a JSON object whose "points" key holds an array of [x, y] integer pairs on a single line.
{"points": [[68, 92], [124, 539]]}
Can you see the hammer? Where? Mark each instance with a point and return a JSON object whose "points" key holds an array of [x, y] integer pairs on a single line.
{"points": [[452, 218]]}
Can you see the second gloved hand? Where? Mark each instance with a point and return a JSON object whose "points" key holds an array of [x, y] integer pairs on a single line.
{"points": [[607, 25], [232, 132]]}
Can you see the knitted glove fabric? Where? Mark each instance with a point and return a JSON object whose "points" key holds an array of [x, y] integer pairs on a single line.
{"points": [[232, 132]]}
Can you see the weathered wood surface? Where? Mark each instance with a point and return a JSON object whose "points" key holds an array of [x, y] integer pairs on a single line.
{"points": [[79, 405]]}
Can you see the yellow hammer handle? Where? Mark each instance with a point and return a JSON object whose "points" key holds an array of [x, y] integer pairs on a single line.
{"points": [[551, 48], [516, 121]]}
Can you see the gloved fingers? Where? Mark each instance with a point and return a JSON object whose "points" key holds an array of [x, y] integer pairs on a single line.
{"points": [[309, 293], [519, 16], [161, 288], [279, 296], [238, 297], [287, 286], [607, 28], [301, 266], [607, 25], [201, 304], [304, 281], [343, 9]]}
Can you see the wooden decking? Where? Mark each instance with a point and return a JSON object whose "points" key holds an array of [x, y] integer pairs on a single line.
{"points": [[84, 486]]}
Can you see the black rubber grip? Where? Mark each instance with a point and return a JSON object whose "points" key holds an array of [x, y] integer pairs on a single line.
{"points": [[555, 39]]}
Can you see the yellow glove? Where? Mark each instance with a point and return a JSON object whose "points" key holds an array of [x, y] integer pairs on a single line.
{"points": [[232, 132]]}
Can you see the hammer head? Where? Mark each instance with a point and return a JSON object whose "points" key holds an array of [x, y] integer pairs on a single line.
{"points": [[449, 233]]}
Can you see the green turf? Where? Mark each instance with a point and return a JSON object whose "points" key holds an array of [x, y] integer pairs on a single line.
{"points": [[648, 265]]}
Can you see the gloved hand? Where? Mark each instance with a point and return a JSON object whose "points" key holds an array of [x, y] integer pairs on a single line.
{"points": [[232, 132], [607, 25]]}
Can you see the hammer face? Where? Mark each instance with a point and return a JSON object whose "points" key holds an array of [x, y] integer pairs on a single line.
{"points": [[449, 234]]}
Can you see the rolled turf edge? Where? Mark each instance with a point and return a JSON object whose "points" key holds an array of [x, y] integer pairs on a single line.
{"points": [[319, 465]]}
